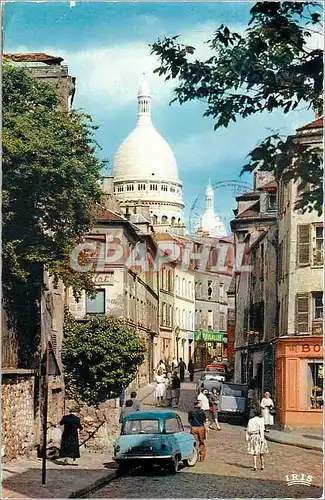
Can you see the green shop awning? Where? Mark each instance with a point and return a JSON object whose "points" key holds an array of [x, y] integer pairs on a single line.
{"points": [[209, 336]]}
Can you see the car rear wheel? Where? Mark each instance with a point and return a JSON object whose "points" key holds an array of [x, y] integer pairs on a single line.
{"points": [[190, 462], [173, 467]]}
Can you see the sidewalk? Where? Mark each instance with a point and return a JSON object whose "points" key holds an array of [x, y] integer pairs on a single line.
{"points": [[22, 478], [310, 439]]}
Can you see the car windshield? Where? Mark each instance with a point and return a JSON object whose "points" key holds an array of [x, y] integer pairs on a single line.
{"points": [[139, 426], [234, 390]]}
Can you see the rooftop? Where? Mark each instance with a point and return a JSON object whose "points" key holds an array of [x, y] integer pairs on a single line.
{"points": [[39, 57], [317, 123]]}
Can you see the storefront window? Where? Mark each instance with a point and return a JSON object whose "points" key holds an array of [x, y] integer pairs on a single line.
{"points": [[315, 385]]}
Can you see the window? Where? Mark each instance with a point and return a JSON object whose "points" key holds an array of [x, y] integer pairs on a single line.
{"points": [[153, 187], [164, 219], [318, 246], [173, 219], [209, 289], [173, 425], [303, 241], [120, 189], [302, 314], [141, 427], [130, 187], [172, 189], [317, 305], [141, 187], [164, 187], [315, 376], [97, 304], [222, 325], [154, 219], [271, 203], [210, 320]]}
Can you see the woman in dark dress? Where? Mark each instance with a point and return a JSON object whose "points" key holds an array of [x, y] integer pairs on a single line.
{"points": [[70, 440]]}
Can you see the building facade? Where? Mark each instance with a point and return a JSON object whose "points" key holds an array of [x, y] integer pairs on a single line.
{"points": [[124, 289], [255, 235], [299, 348]]}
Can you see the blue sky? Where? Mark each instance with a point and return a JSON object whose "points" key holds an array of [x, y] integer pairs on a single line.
{"points": [[106, 46]]}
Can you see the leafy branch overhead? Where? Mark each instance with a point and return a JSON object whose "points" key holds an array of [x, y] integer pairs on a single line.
{"points": [[50, 179], [272, 65], [50, 185], [100, 356]]}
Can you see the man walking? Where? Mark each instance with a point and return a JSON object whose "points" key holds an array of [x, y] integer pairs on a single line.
{"points": [[197, 421], [182, 368], [191, 369], [176, 389]]}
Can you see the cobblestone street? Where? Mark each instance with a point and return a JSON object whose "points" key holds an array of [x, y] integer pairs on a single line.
{"points": [[226, 472]]}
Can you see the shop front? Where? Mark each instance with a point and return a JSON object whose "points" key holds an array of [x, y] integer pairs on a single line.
{"points": [[299, 376], [209, 344]]}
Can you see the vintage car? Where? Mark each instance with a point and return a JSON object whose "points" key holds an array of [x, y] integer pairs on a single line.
{"points": [[209, 379], [233, 400], [154, 437]]}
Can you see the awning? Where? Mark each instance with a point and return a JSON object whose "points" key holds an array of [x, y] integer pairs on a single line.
{"points": [[209, 336]]}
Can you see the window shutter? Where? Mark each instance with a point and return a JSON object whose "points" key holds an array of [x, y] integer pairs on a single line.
{"points": [[302, 314], [303, 239]]}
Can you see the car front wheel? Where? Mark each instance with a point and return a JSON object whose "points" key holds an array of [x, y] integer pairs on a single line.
{"points": [[123, 468], [190, 462], [174, 465]]}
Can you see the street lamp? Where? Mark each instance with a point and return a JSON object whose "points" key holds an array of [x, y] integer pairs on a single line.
{"points": [[177, 340]]}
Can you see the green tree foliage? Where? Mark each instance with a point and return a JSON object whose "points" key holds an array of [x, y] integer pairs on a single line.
{"points": [[270, 66], [50, 185], [99, 356]]}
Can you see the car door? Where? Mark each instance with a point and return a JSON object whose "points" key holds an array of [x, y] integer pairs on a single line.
{"points": [[182, 441]]}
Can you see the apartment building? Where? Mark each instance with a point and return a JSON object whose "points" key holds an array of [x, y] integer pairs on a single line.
{"points": [[299, 348]]}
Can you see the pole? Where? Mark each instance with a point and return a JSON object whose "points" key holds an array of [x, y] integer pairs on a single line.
{"points": [[45, 410]]}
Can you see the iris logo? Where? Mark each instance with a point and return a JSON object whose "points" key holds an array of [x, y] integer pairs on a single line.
{"points": [[293, 479]]}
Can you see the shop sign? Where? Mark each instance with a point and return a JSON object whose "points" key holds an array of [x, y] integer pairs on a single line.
{"points": [[104, 279], [209, 336], [314, 348]]}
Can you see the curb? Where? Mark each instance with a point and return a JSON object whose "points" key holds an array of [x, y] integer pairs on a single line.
{"points": [[297, 445], [93, 486]]}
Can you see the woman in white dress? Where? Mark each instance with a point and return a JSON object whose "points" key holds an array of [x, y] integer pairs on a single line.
{"points": [[267, 405], [160, 388], [256, 442]]}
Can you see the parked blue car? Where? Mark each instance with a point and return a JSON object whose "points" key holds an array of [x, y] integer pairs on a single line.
{"points": [[154, 437]]}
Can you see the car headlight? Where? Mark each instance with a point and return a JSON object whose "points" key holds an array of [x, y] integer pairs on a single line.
{"points": [[117, 448]]}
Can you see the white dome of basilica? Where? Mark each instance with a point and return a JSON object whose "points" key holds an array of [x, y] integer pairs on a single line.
{"points": [[144, 154], [145, 173]]}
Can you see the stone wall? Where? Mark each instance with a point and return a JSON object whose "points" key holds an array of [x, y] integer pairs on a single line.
{"points": [[17, 415], [100, 425]]}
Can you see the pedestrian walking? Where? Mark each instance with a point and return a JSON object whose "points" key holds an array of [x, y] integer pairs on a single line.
{"points": [[70, 440], [176, 389], [127, 409], [162, 367], [135, 403], [256, 442], [214, 406], [182, 368], [169, 392], [160, 388], [174, 364], [197, 420], [191, 369], [267, 407]]}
